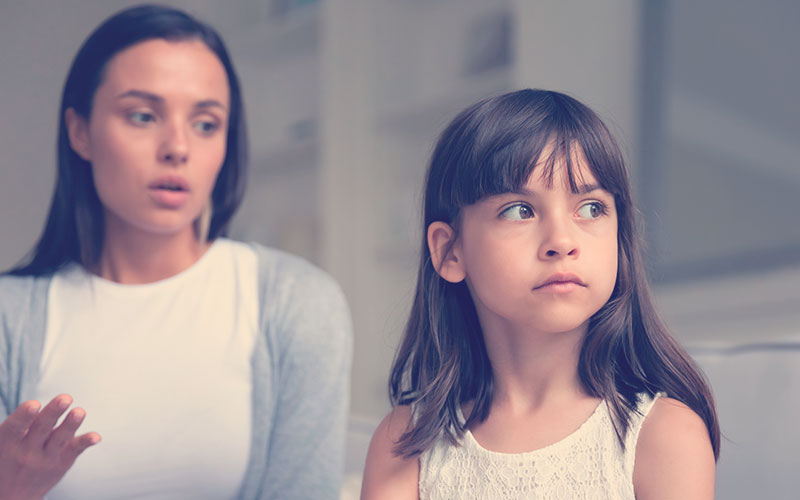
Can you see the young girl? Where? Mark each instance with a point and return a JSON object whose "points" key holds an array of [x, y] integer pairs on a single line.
{"points": [[534, 364], [211, 368]]}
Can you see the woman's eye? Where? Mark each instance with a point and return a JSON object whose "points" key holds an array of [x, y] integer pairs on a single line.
{"points": [[206, 127], [592, 210], [517, 212], [141, 117]]}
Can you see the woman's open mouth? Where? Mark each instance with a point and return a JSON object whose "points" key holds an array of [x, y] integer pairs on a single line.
{"points": [[169, 191]]}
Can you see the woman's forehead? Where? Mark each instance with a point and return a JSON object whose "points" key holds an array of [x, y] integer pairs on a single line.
{"points": [[187, 68]]}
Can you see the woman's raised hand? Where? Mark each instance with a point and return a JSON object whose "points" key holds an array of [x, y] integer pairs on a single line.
{"points": [[34, 452]]}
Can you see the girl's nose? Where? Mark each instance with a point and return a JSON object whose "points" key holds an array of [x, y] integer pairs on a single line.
{"points": [[559, 242], [174, 148]]}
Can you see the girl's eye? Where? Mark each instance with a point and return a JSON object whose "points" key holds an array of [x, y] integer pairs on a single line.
{"points": [[206, 127], [141, 117], [592, 210], [517, 212]]}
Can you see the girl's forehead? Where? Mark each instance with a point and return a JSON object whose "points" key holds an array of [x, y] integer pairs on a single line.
{"points": [[559, 168]]}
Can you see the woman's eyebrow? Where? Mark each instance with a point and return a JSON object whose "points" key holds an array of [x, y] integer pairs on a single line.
{"points": [[148, 96], [157, 99], [210, 103]]}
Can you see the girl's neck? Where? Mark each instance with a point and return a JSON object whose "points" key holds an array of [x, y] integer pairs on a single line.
{"points": [[136, 258], [534, 369]]}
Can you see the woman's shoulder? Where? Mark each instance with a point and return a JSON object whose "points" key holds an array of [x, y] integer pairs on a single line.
{"points": [[673, 453], [12, 282], [282, 268], [297, 296], [18, 292], [23, 306], [387, 475]]}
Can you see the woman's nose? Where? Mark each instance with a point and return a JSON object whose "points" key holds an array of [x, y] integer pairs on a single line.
{"points": [[174, 148]]}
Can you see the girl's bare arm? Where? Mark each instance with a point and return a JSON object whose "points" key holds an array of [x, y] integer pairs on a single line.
{"points": [[387, 476], [674, 458]]}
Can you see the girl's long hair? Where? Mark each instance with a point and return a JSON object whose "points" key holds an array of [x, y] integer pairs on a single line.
{"points": [[74, 229], [491, 148]]}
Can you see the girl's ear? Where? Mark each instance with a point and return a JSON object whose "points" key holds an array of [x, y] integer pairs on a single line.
{"points": [[445, 252], [78, 132]]}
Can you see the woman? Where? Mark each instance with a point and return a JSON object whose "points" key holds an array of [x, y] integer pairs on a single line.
{"points": [[195, 357]]}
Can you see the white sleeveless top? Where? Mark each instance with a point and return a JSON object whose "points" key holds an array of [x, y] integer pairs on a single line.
{"points": [[587, 464], [163, 371]]}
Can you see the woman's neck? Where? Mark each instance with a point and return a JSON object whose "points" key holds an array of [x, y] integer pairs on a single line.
{"points": [[136, 258], [534, 369]]}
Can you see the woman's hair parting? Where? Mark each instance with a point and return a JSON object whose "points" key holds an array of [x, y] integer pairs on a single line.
{"points": [[491, 148], [74, 229]]}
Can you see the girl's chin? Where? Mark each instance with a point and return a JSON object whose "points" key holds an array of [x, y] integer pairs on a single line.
{"points": [[553, 326]]}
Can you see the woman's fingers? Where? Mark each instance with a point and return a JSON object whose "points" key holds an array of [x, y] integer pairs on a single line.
{"points": [[64, 432], [44, 422], [78, 445], [34, 452], [15, 426], [28, 428]]}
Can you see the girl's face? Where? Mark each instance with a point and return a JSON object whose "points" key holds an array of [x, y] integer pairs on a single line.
{"points": [[156, 136], [544, 258]]}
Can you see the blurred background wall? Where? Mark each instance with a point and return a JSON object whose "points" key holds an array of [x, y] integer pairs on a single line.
{"points": [[345, 99]]}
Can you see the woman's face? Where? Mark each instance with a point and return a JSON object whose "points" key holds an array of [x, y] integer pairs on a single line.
{"points": [[156, 136]]}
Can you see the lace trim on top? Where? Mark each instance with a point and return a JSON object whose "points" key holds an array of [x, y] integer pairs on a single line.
{"points": [[469, 440], [589, 463]]}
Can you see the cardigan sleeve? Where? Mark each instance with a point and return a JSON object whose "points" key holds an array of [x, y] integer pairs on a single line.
{"points": [[311, 327], [23, 301], [6, 403]]}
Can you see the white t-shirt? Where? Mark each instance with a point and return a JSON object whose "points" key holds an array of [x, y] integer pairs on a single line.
{"points": [[163, 371]]}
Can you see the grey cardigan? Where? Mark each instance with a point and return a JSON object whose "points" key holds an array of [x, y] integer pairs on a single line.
{"points": [[300, 366]]}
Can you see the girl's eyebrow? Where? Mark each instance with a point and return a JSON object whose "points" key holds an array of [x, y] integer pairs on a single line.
{"points": [[588, 188], [157, 99]]}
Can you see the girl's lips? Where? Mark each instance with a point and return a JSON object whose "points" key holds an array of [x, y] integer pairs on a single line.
{"points": [[560, 283], [559, 287], [560, 278]]}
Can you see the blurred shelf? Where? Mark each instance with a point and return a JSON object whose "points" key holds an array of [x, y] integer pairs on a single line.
{"points": [[284, 159], [279, 39], [426, 115]]}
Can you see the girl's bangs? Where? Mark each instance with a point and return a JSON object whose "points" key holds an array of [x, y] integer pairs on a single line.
{"points": [[556, 142]]}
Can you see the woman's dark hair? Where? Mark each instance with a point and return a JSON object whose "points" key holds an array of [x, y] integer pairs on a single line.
{"points": [[74, 229], [492, 148]]}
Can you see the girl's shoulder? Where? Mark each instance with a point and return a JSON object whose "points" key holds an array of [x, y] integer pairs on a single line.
{"points": [[673, 453], [386, 475]]}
